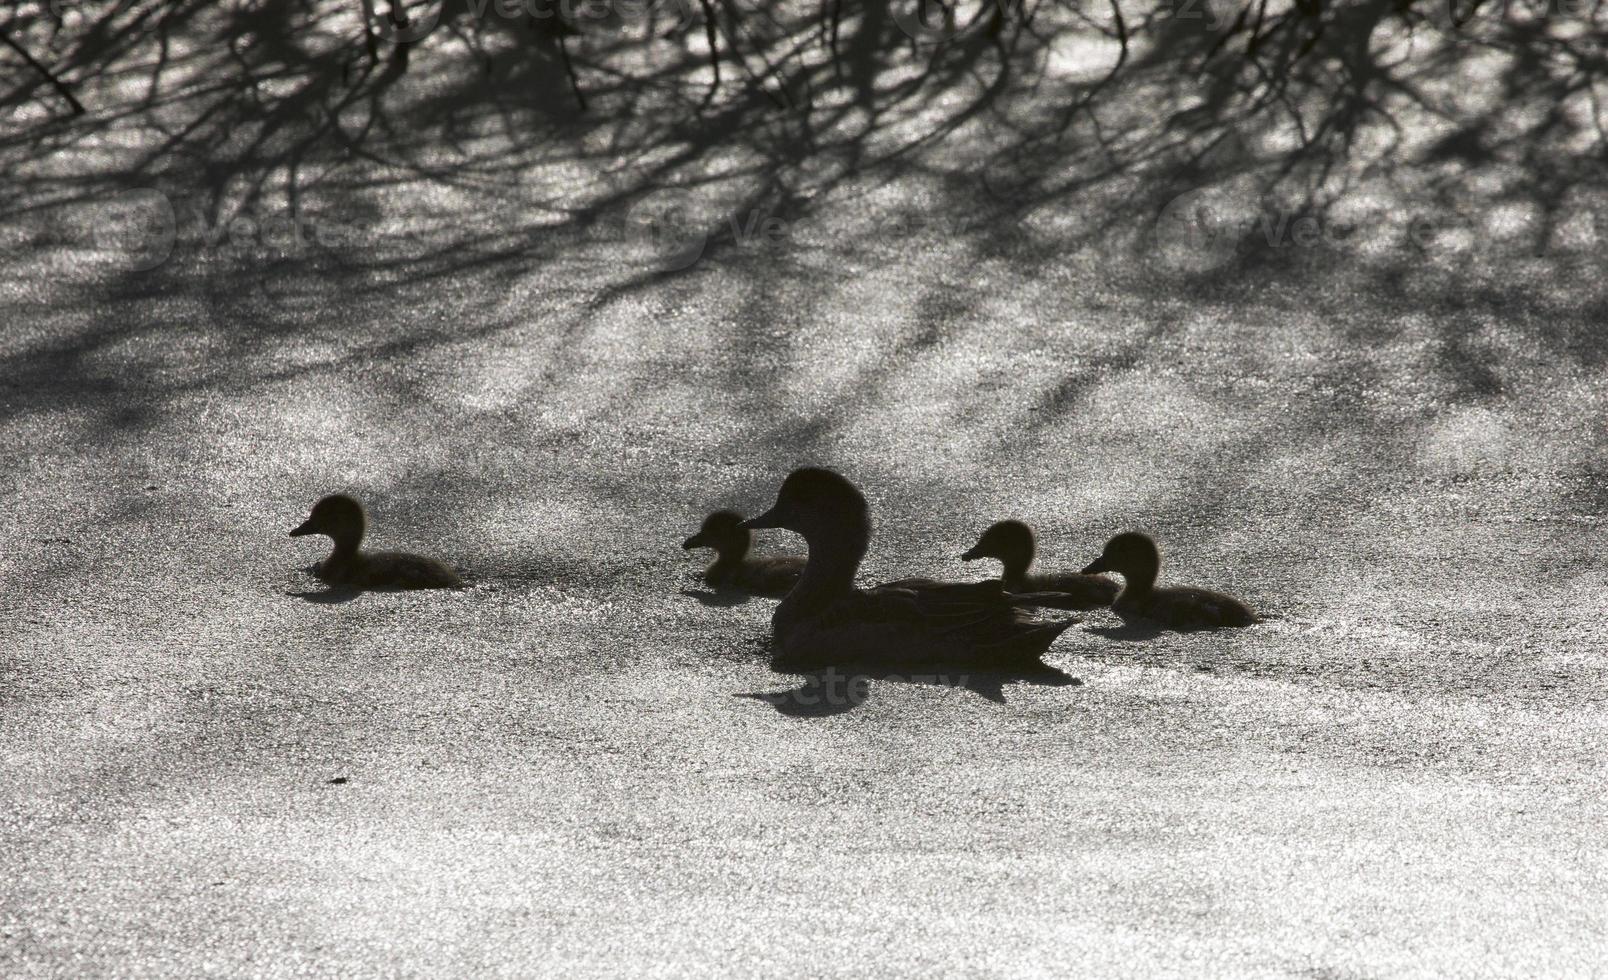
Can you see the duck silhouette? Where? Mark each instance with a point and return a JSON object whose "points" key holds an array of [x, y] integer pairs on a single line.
{"points": [[733, 568], [1136, 558], [1013, 544], [825, 620], [343, 520]]}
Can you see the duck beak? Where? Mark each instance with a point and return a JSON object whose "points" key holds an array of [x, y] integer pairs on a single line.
{"points": [[696, 541], [1097, 566], [303, 529], [768, 519], [971, 555]]}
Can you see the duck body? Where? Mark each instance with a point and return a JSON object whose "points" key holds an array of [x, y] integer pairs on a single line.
{"points": [[916, 624], [1136, 557], [388, 570], [734, 569], [344, 521], [1065, 591], [911, 623], [773, 577], [1013, 544], [1184, 608]]}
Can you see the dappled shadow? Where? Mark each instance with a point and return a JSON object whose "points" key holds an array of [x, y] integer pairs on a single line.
{"points": [[280, 218], [1361, 242]]}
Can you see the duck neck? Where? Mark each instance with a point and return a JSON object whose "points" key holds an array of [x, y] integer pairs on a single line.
{"points": [[346, 543], [829, 571], [1015, 567], [1138, 582], [730, 554]]}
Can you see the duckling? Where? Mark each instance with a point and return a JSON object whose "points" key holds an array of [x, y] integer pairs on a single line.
{"points": [[1012, 543], [342, 519], [826, 621], [1136, 558], [733, 569]]}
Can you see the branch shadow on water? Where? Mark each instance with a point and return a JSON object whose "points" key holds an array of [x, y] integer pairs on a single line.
{"points": [[995, 143], [321, 124]]}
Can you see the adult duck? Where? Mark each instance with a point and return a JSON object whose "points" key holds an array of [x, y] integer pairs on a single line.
{"points": [[734, 569], [1136, 558], [1012, 543], [343, 520], [825, 620]]}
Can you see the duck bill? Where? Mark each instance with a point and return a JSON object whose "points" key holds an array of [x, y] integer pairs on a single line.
{"points": [[303, 529], [1097, 566], [696, 541], [768, 519], [971, 555]]}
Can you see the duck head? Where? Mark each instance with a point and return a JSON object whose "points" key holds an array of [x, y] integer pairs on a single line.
{"points": [[1009, 541], [822, 506], [1132, 555], [339, 516], [723, 531]]}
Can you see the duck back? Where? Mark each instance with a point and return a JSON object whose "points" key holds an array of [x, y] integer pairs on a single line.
{"points": [[773, 577], [390, 570], [1186, 608], [1069, 591], [919, 624]]}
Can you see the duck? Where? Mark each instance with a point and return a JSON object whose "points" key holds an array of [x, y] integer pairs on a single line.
{"points": [[1135, 557], [1013, 544], [342, 518], [826, 621], [733, 569]]}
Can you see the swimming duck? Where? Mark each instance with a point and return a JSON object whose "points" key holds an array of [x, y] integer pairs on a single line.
{"points": [[1136, 558], [826, 621], [733, 569], [1012, 543], [342, 519]]}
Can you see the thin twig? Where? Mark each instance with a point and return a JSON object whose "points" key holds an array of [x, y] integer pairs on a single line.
{"points": [[569, 69], [711, 31], [369, 40], [55, 83]]}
